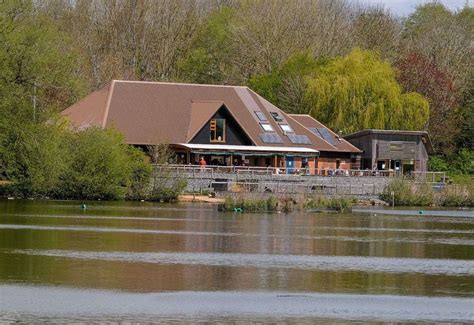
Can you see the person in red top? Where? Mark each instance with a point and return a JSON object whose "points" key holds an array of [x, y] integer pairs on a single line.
{"points": [[202, 162]]}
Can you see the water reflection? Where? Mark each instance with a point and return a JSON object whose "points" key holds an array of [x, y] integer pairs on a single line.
{"points": [[153, 248]]}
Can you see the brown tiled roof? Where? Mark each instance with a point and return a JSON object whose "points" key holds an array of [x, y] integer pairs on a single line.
{"points": [[89, 111], [159, 112], [340, 143]]}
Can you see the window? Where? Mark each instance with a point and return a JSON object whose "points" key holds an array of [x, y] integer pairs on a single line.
{"points": [[276, 117], [260, 116], [286, 128], [217, 130], [267, 127]]}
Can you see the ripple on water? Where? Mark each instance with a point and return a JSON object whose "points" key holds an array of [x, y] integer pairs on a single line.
{"points": [[305, 262], [72, 303]]}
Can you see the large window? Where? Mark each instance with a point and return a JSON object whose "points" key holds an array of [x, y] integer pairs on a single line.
{"points": [[217, 130]]}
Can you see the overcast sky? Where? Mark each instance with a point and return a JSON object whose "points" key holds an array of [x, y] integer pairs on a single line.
{"points": [[406, 7]]}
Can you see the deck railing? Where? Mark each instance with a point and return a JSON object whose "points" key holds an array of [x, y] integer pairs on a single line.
{"points": [[256, 171]]}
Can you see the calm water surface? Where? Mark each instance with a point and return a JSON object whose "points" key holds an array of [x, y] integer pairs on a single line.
{"points": [[189, 263]]}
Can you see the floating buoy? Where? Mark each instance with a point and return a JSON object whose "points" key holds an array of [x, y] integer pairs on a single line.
{"points": [[420, 212], [83, 206], [237, 209]]}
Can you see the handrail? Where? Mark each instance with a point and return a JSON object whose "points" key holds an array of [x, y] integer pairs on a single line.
{"points": [[258, 170]]}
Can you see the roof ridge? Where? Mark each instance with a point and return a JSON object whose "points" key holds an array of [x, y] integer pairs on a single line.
{"points": [[107, 103], [177, 83]]}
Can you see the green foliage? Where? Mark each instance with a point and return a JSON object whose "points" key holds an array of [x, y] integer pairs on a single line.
{"points": [[348, 94], [36, 160], [49, 160], [100, 165], [140, 174], [286, 86], [253, 204], [458, 196], [459, 163], [207, 62], [36, 59], [359, 91], [339, 204], [408, 194]]}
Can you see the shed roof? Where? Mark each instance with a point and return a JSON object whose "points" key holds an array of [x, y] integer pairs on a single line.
{"points": [[423, 134]]}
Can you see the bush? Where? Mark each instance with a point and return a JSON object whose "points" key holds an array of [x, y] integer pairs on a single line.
{"points": [[253, 204], [339, 204], [459, 163], [51, 161], [408, 194], [140, 173], [35, 161], [99, 166], [457, 196]]}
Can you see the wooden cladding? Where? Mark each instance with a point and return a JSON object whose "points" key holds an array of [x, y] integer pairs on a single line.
{"points": [[396, 150]]}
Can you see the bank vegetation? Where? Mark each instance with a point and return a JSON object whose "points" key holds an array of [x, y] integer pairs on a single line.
{"points": [[404, 193]]}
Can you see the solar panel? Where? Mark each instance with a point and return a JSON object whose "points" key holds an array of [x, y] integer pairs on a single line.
{"points": [[260, 116], [324, 134], [270, 138], [299, 139]]}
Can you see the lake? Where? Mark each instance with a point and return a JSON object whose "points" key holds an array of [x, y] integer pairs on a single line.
{"points": [[144, 262]]}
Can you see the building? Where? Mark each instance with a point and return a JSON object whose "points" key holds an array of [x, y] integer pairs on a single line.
{"points": [[224, 125], [390, 150]]}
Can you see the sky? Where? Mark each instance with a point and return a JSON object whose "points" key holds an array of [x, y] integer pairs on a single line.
{"points": [[406, 7]]}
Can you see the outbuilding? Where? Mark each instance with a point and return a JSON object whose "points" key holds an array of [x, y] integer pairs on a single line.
{"points": [[400, 152]]}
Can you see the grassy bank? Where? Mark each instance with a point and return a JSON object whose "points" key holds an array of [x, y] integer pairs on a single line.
{"points": [[403, 193], [284, 204]]}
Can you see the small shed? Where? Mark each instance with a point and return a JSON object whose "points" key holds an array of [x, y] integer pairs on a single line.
{"points": [[400, 151]]}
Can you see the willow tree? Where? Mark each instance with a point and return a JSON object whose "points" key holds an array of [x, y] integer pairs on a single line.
{"points": [[360, 91]]}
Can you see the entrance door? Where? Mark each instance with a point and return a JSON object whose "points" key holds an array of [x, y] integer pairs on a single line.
{"points": [[290, 165]]}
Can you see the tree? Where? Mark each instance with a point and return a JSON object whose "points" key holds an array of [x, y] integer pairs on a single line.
{"points": [[420, 74], [140, 40], [359, 91], [100, 165], [286, 86], [377, 30], [209, 60], [38, 76], [444, 37], [38, 63]]}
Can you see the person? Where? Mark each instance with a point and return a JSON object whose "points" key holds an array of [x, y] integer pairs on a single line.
{"points": [[202, 162]]}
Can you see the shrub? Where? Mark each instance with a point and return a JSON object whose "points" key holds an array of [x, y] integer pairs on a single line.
{"points": [[140, 172], [251, 204], [339, 204], [408, 194], [457, 196]]}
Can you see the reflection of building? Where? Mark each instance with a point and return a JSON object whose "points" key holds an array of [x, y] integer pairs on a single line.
{"points": [[225, 125], [400, 151]]}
